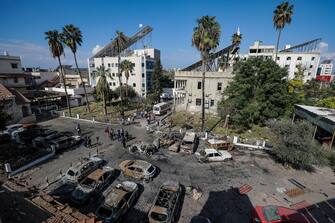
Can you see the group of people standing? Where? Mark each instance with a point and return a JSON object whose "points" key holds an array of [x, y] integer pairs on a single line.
{"points": [[119, 135]]}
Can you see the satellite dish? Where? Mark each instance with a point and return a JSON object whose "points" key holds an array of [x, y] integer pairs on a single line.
{"points": [[140, 25]]}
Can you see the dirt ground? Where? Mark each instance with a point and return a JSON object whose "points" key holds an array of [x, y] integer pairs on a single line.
{"points": [[218, 182]]}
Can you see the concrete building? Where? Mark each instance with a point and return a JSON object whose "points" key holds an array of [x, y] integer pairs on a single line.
{"points": [[11, 73], [325, 71], [15, 104], [188, 90], [140, 79], [291, 59]]}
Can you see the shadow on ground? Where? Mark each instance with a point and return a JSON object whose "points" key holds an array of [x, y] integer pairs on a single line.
{"points": [[227, 206]]}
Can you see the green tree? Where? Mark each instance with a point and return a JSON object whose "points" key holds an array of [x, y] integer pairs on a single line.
{"points": [[73, 38], [236, 39], [131, 92], [294, 145], [119, 45], [257, 93], [102, 88], [282, 15], [127, 67], [157, 88], [328, 102], [57, 50], [206, 37]]}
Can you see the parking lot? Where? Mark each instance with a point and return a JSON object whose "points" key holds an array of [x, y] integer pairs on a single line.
{"points": [[218, 182]]}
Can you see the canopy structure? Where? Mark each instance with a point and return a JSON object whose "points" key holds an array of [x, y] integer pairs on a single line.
{"points": [[320, 117]]}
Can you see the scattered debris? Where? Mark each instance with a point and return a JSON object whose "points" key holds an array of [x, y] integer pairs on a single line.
{"points": [[294, 192], [196, 193], [244, 189], [143, 148], [296, 183], [281, 190], [219, 144]]}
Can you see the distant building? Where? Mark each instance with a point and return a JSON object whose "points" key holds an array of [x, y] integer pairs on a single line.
{"points": [[290, 58], [15, 104], [140, 79], [11, 73], [188, 90], [325, 71]]}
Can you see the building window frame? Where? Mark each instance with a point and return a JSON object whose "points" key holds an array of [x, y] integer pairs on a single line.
{"points": [[219, 87], [198, 101], [199, 85]]}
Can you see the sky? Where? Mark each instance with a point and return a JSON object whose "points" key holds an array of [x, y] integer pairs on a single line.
{"points": [[23, 23]]}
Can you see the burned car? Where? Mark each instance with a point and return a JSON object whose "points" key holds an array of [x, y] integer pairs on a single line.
{"points": [[166, 204], [213, 155], [81, 170], [139, 169], [118, 200], [93, 184], [143, 148], [188, 144]]}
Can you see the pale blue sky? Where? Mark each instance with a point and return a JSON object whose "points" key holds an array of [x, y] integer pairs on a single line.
{"points": [[23, 24]]}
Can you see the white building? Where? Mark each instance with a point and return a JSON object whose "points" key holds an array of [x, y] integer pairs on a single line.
{"points": [[141, 77], [188, 90], [307, 60]]}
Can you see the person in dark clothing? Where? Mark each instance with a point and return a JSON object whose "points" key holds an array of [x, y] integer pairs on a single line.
{"points": [[124, 142], [126, 135], [118, 135], [89, 142], [111, 134], [97, 138]]}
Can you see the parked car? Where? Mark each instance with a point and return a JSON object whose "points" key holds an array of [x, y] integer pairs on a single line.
{"points": [[188, 143], [139, 169], [213, 155], [81, 170], [93, 184], [166, 204], [10, 128], [143, 148], [276, 214], [117, 202], [200, 219]]}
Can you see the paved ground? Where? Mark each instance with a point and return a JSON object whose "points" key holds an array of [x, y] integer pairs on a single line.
{"points": [[220, 201]]}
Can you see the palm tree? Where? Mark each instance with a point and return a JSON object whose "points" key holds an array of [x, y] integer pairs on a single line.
{"points": [[73, 38], [127, 67], [236, 39], [119, 45], [102, 87], [282, 16], [206, 37], [57, 50]]}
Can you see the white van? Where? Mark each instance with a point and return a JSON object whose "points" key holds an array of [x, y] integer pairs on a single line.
{"points": [[161, 108]]}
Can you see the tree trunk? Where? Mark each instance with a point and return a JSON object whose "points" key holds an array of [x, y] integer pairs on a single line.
{"points": [[203, 94], [121, 97], [104, 104], [127, 88], [277, 45], [64, 83], [82, 82]]}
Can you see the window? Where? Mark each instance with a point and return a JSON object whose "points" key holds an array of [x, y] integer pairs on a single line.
{"points": [[110, 83], [287, 66], [132, 74], [313, 58], [197, 101], [299, 58], [288, 58], [219, 86], [112, 64], [311, 66], [143, 85], [278, 58], [109, 65], [134, 65], [113, 74], [143, 75], [134, 85], [142, 64], [114, 84], [199, 84], [212, 103], [116, 64], [309, 73], [252, 51], [15, 80], [14, 65]]}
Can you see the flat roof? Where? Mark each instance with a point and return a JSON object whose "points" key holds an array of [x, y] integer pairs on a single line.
{"points": [[320, 116]]}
